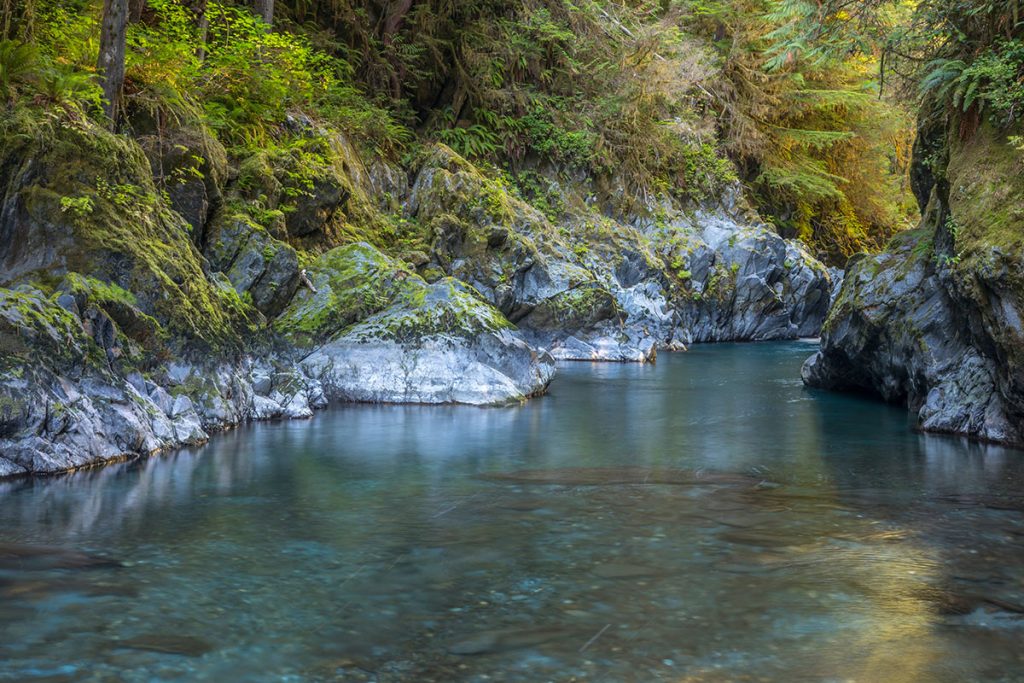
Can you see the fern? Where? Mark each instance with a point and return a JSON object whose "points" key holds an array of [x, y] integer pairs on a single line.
{"points": [[18, 63]]}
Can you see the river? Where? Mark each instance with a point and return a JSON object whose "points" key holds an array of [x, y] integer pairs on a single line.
{"points": [[706, 518]]}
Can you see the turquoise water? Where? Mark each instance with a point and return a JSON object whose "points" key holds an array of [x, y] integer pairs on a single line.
{"points": [[703, 519]]}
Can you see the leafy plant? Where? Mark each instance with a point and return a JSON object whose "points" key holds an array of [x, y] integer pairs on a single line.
{"points": [[18, 63]]}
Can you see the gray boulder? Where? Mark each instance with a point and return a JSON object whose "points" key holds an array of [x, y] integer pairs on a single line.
{"points": [[440, 344]]}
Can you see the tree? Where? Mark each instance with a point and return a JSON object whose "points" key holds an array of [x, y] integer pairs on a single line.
{"points": [[198, 8], [112, 53], [265, 8]]}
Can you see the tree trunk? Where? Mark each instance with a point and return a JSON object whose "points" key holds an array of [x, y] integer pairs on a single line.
{"points": [[265, 8], [392, 23], [198, 8], [111, 60], [135, 9]]}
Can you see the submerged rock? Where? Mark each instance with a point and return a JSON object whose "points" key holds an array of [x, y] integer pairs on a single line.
{"points": [[623, 570], [490, 642], [33, 558], [187, 646]]}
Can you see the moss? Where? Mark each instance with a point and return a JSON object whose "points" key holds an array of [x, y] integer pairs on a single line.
{"points": [[321, 187], [445, 308], [352, 282], [130, 237], [100, 291], [576, 308], [33, 323], [986, 194]]}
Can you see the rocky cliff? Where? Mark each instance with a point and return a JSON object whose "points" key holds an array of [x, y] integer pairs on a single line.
{"points": [[152, 290], [934, 322]]}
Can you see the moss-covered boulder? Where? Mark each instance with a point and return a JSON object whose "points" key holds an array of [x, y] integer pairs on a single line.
{"points": [[76, 198], [379, 332], [351, 282], [262, 269], [438, 343], [191, 167], [321, 187], [935, 321]]}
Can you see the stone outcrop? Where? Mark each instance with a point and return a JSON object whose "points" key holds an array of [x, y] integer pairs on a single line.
{"points": [[152, 294], [596, 288], [934, 322]]}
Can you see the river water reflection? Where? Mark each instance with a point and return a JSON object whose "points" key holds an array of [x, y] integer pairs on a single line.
{"points": [[704, 519]]}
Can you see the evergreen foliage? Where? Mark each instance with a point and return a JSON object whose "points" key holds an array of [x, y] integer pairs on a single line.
{"points": [[808, 102]]}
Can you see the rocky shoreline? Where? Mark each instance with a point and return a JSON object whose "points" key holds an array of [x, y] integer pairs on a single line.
{"points": [[139, 315], [934, 322]]}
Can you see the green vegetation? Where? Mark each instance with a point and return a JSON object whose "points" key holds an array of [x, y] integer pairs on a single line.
{"points": [[646, 99], [623, 106]]}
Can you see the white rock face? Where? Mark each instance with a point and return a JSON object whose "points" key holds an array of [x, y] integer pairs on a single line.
{"points": [[446, 346]]}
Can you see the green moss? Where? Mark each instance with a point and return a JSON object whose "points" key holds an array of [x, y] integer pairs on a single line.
{"points": [[575, 308], [32, 322], [986, 195], [130, 238], [352, 282], [447, 307]]}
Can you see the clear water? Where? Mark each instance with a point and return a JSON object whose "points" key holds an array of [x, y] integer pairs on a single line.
{"points": [[704, 519]]}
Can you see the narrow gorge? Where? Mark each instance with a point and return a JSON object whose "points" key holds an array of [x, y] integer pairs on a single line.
{"points": [[434, 341]]}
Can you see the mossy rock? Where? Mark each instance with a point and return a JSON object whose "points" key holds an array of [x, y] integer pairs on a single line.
{"points": [[352, 283], [575, 309], [986, 194], [447, 308], [263, 269], [34, 325], [190, 165], [80, 199], [321, 186]]}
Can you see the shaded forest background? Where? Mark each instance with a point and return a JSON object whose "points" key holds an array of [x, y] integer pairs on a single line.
{"points": [[812, 104]]}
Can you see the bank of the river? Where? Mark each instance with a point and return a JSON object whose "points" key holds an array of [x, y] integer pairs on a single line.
{"points": [[704, 517], [137, 316]]}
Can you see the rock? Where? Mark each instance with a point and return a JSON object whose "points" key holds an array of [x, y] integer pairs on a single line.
{"points": [[489, 642], [36, 558], [264, 408], [165, 643], [750, 284], [352, 283], [624, 570], [934, 322], [182, 405], [190, 165], [598, 289], [254, 262], [436, 344]]}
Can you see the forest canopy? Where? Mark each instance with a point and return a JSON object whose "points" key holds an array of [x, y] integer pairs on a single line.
{"points": [[811, 103]]}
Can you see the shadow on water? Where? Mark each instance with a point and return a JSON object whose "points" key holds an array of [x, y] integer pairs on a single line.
{"points": [[704, 519]]}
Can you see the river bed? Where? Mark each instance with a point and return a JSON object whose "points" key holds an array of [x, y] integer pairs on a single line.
{"points": [[706, 518]]}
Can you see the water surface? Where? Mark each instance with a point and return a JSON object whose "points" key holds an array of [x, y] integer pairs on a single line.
{"points": [[703, 519]]}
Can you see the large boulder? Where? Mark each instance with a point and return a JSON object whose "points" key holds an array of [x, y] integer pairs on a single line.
{"points": [[747, 283], [76, 198], [377, 332], [255, 263], [934, 322], [190, 166]]}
